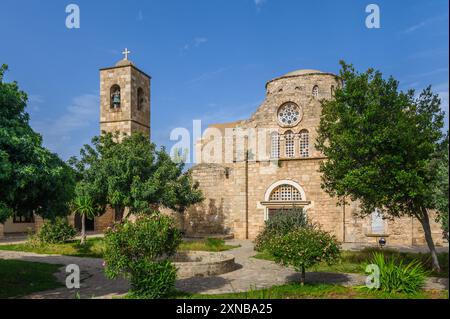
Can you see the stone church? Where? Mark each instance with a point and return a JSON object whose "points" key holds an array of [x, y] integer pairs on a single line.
{"points": [[247, 180]]}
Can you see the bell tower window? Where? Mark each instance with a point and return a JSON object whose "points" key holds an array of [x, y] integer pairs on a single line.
{"points": [[115, 97]]}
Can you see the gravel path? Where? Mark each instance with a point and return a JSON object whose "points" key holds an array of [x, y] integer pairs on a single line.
{"points": [[250, 274]]}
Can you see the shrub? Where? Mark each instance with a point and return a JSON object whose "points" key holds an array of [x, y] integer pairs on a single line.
{"points": [[396, 276], [303, 248], [153, 280], [140, 251], [56, 231], [280, 223]]}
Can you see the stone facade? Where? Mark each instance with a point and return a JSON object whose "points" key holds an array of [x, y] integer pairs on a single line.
{"points": [[239, 192], [132, 115]]}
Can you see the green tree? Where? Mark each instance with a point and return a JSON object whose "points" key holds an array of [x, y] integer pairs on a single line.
{"points": [[128, 172], [84, 204], [32, 179], [440, 164], [303, 248], [379, 143]]}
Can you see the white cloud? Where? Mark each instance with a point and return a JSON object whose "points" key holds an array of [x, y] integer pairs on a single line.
{"points": [[423, 24], [259, 3], [34, 102], [207, 76], [194, 43], [140, 16], [67, 133]]}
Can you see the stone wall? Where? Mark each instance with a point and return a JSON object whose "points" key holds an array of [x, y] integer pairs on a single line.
{"points": [[104, 221], [2, 234], [237, 190]]}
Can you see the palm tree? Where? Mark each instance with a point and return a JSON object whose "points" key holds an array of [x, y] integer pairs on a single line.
{"points": [[84, 206]]}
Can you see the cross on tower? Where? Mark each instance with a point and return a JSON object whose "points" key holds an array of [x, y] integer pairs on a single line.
{"points": [[126, 52]]}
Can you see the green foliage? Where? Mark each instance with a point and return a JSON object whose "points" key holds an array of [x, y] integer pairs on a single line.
{"points": [[32, 179], [57, 231], [440, 186], [140, 251], [303, 248], [398, 277], [280, 223], [128, 171], [380, 143], [153, 280]]}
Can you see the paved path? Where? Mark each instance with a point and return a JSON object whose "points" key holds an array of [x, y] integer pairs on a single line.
{"points": [[250, 274]]}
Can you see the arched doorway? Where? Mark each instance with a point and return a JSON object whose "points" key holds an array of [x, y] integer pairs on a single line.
{"points": [[284, 195]]}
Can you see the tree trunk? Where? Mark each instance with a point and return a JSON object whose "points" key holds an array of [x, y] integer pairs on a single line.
{"points": [[118, 213], [83, 229], [303, 277], [425, 221]]}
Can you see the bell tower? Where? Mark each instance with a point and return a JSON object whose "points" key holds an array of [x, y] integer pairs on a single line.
{"points": [[124, 98]]}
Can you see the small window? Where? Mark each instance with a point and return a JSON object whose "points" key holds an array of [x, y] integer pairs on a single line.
{"points": [[304, 144], [140, 99], [275, 147], [27, 218], [289, 139], [315, 91], [332, 90], [377, 222], [115, 97]]}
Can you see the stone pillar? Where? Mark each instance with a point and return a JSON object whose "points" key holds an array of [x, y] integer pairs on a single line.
{"points": [[38, 222], [2, 231]]}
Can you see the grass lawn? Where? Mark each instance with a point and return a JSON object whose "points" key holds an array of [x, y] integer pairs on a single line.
{"points": [[355, 261], [319, 291], [310, 291], [20, 278], [94, 247], [210, 244]]}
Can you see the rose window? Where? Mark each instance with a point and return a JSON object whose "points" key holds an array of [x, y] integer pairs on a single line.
{"points": [[289, 114]]}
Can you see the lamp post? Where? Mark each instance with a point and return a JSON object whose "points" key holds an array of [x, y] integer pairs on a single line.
{"points": [[382, 242]]}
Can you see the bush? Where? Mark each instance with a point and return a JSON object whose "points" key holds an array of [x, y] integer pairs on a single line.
{"points": [[153, 280], [56, 231], [399, 277], [281, 223], [303, 248], [140, 251]]}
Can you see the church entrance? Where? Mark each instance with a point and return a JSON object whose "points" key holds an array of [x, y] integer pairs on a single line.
{"points": [[283, 196], [90, 223]]}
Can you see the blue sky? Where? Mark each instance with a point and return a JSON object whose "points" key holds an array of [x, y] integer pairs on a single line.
{"points": [[209, 59]]}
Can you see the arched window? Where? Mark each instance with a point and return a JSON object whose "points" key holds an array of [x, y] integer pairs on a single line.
{"points": [[315, 91], [115, 97], [304, 143], [275, 145], [289, 140], [285, 193], [140, 99]]}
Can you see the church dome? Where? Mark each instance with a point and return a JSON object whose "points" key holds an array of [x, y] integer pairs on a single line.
{"points": [[302, 72]]}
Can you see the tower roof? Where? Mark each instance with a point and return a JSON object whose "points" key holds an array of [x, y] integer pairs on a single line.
{"points": [[125, 63]]}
